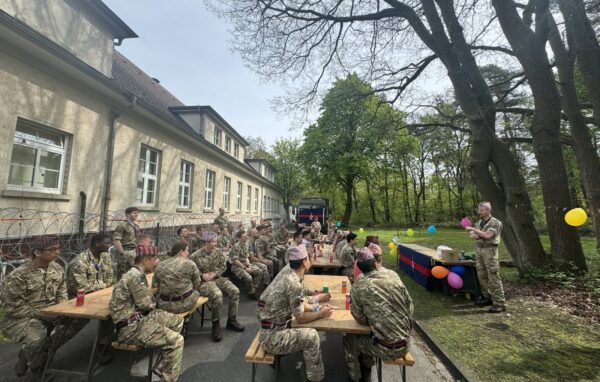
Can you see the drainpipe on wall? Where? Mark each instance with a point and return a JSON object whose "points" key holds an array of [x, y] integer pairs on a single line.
{"points": [[110, 147]]}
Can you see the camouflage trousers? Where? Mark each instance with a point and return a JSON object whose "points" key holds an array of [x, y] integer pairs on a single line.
{"points": [[281, 250], [277, 263], [159, 330], [37, 336], [488, 273], [361, 350], [214, 291], [253, 278], [286, 341], [124, 262], [267, 270]]}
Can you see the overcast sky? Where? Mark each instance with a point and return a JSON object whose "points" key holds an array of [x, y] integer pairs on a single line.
{"points": [[187, 48]]}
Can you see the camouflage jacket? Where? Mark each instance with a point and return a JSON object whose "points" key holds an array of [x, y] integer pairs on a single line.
{"points": [[224, 241], [281, 237], [126, 233], [176, 275], [339, 247], [261, 246], [380, 300], [131, 295], [29, 289], [195, 244], [85, 272], [283, 298], [493, 225], [222, 221], [240, 252], [347, 255], [209, 261]]}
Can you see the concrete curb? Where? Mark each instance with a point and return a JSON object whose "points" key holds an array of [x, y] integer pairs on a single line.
{"points": [[460, 372]]}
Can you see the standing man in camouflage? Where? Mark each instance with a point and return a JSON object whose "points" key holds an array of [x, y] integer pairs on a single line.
{"points": [[124, 240], [138, 322], [281, 301], [35, 285], [221, 220], [381, 301], [211, 264], [348, 254], [250, 274], [178, 280], [486, 234], [263, 248]]}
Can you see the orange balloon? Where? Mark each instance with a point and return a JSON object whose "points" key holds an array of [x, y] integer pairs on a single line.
{"points": [[439, 272]]}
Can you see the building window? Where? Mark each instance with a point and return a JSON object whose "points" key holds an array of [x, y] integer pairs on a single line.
{"points": [[226, 192], [209, 190], [147, 185], [236, 150], [256, 200], [186, 172], [217, 140], [238, 204], [249, 198], [264, 203], [38, 158], [228, 145]]}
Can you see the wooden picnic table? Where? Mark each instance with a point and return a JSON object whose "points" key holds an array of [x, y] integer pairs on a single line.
{"points": [[323, 261], [341, 320]]}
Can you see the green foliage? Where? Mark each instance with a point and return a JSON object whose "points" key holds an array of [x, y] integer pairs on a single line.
{"points": [[290, 176]]}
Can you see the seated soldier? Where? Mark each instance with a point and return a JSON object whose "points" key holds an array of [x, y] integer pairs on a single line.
{"points": [[263, 248], [282, 300], [211, 264], [138, 322], [348, 254], [224, 240], [178, 280], [380, 300], [281, 241], [298, 241], [340, 243], [240, 265], [257, 259], [35, 285], [186, 236]]}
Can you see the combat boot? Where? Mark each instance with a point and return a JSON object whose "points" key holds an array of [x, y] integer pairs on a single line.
{"points": [[365, 373], [482, 301], [497, 309], [21, 365], [216, 331], [233, 324]]}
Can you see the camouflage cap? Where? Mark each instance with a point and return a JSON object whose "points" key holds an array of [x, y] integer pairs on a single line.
{"points": [[46, 241], [146, 250], [208, 236], [298, 253], [364, 255]]}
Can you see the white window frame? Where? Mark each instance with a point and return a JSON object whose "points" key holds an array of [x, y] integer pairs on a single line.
{"points": [[228, 144], [226, 192], [248, 198], [238, 201], [256, 200], [209, 190], [146, 176], [186, 168], [217, 137], [39, 145], [236, 150]]}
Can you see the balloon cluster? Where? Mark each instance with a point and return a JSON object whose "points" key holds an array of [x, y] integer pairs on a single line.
{"points": [[393, 247], [453, 274]]}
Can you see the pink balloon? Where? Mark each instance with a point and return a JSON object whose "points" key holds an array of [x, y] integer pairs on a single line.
{"points": [[466, 222], [455, 281]]}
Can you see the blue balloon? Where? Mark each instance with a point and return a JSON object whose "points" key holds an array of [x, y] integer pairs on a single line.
{"points": [[431, 229], [338, 224], [458, 269]]}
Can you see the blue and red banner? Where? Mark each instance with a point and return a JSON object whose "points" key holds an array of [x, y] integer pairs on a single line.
{"points": [[415, 264]]}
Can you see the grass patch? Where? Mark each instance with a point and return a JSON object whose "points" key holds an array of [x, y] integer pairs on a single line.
{"points": [[532, 342]]}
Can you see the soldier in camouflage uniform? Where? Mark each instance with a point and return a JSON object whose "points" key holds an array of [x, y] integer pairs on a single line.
{"points": [[91, 270], [178, 280], [347, 255], [263, 248], [211, 264], [486, 234], [196, 240], [257, 259], [251, 275], [281, 242], [339, 243], [35, 285], [298, 240], [221, 220], [380, 300], [283, 299], [124, 240], [138, 322], [225, 240]]}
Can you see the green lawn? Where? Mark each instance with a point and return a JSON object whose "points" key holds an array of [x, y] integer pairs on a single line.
{"points": [[532, 342]]}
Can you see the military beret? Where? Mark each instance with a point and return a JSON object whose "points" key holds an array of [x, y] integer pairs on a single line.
{"points": [[46, 241], [208, 236], [146, 250], [298, 253], [364, 255]]}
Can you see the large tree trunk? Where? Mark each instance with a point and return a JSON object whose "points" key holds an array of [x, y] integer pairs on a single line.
{"points": [[584, 44], [529, 48], [372, 209], [348, 188]]}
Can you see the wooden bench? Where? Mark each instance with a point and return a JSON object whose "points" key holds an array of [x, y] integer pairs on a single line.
{"points": [[407, 360], [187, 316], [256, 354]]}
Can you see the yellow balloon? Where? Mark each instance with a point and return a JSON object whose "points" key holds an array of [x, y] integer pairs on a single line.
{"points": [[576, 217], [410, 232], [392, 245], [361, 230]]}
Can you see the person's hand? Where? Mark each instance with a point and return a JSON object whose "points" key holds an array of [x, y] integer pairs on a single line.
{"points": [[324, 297], [469, 228], [326, 311], [207, 276], [473, 235]]}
